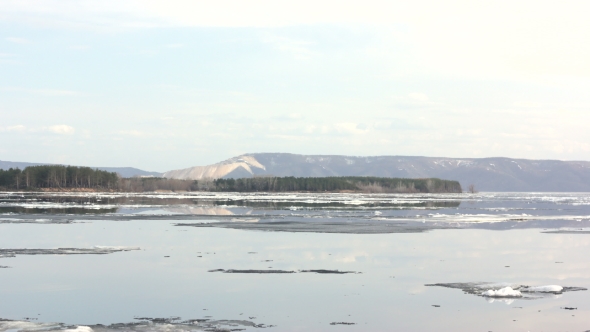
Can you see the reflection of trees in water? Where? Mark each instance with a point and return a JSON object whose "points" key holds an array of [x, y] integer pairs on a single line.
{"points": [[20, 209], [287, 204], [94, 200], [202, 210], [91, 204], [365, 184]]}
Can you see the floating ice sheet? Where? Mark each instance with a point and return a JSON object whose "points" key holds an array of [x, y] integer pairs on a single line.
{"points": [[143, 324], [35, 221], [323, 227], [320, 271], [506, 290], [543, 289], [568, 231], [502, 292], [97, 250], [374, 213]]}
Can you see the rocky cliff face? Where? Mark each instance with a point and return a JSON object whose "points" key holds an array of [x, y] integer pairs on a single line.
{"points": [[487, 174]]}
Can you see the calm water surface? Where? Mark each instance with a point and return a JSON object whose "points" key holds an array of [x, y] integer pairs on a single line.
{"points": [[171, 241]]}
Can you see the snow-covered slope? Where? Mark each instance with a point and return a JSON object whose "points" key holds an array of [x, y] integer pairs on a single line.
{"points": [[487, 174], [237, 167]]}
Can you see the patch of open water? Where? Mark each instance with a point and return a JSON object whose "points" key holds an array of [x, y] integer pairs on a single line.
{"points": [[419, 267]]}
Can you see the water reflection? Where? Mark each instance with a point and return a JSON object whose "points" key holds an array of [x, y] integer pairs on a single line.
{"points": [[209, 203], [59, 210], [168, 277], [208, 211], [330, 212], [295, 204]]}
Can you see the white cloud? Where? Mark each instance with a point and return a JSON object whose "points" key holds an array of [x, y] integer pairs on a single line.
{"points": [[42, 92], [291, 117], [329, 129], [175, 45], [454, 66], [418, 97], [457, 37], [80, 47], [17, 40], [61, 129], [382, 124], [55, 92], [298, 48], [350, 128], [17, 128], [527, 104], [134, 133], [299, 138]]}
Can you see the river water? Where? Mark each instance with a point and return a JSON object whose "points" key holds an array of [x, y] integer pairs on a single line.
{"points": [[294, 262]]}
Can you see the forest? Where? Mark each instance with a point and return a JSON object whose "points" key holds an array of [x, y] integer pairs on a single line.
{"points": [[57, 177]]}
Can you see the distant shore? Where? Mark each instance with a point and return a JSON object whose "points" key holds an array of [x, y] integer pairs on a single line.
{"points": [[57, 178]]}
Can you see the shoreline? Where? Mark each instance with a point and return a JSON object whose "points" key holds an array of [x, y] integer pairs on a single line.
{"points": [[164, 191]]}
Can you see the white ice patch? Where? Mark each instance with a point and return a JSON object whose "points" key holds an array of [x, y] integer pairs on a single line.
{"points": [[28, 326], [80, 328], [502, 292], [506, 301], [543, 289], [116, 248]]}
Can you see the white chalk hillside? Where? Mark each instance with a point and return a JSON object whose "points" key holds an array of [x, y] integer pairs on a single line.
{"points": [[218, 170]]}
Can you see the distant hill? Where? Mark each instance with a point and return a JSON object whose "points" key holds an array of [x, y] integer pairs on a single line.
{"points": [[125, 172], [487, 174]]}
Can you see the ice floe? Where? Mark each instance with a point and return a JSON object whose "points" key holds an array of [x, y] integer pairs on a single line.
{"points": [[320, 271], [508, 291], [7, 325], [97, 250], [543, 289], [80, 328], [35, 221], [392, 213], [143, 324], [502, 292], [504, 300]]}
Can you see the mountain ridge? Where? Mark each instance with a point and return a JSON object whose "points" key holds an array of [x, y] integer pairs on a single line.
{"points": [[487, 174]]}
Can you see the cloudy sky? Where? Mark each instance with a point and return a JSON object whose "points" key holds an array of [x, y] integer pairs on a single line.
{"points": [[170, 84]]}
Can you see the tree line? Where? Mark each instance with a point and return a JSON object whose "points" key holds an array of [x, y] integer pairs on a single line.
{"points": [[70, 177], [73, 177], [57, 176]]}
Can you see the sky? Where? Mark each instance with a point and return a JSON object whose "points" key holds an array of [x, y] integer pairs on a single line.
{"points": [[163, 85]]}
